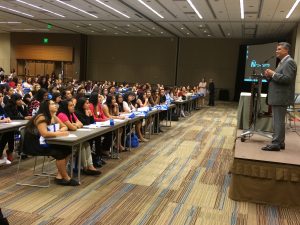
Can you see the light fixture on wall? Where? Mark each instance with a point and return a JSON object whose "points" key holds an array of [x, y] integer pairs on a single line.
{"points": [[74, 7], [10, 22], [16, 11], [151, 9], [102, 3], [292, 9], [242, 9], [195, 9], [37, 7]]}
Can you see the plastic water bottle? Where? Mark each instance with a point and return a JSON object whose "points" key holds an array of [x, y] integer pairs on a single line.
{"points": [[111, 122]]}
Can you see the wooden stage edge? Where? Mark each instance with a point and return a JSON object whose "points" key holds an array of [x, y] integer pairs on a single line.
{"points": [[251, 149], [267, 177]]}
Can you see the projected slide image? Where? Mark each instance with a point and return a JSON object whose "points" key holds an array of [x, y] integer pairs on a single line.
{"points": [[259, 58]]}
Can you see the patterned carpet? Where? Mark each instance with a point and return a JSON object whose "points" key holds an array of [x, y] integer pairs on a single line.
{"points": [[179, 177]]}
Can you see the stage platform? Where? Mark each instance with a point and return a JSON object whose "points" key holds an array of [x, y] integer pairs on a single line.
{"points": [[266, 177]]}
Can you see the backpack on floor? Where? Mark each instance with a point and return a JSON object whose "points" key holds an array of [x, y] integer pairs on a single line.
{"points": [[134, 140]]}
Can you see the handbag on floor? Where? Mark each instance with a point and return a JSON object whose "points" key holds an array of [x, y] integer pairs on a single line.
{"points": [[133, 140]]}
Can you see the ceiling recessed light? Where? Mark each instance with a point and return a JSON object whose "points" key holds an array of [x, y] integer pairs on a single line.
{"points": [[194, 8], [16, 11], [228, 34], [77, 26], [92, 31], [104, 29], [115, 27], [38, 7], [242, 9], [153, 28], [182, 28], [102, 3], [148, 34], [74, 7], [292, 9], [205, 31], [126, 32], [139, 30], [208, 35], [90, 24], [188, 33], [128, 25], [161, 32], [151, 9], [116, 33], [10, 22], [200, 25]]}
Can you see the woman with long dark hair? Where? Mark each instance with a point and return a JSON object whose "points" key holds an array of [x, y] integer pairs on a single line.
{"points": [[15, 111], [102, 148], [45, 124], [41, 95], [96, 107], [130, 105], [111, 110], [66, 114]]}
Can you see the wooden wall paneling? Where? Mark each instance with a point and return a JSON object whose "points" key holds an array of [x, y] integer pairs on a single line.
{"points": [[49, 68], [41, 52], [20, 67], [31, 68], [68, 70], [40, 68]]}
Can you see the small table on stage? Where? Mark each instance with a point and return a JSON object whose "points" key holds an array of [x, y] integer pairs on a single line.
{"points": [[263, 123]]}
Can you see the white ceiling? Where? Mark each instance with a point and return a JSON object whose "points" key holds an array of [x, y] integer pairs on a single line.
{"points": [[221, 18]]}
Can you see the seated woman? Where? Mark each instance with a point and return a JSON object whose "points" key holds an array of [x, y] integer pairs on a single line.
{"points": [[111, 110], [56, 97], [8, 95], [66, 114], [3, 119], [45, 124], [41, 95], [143, 101], [104, 94], [129, 106], [15, 111], [85, 115], [119, 101], [103, 147], [155, 96]]}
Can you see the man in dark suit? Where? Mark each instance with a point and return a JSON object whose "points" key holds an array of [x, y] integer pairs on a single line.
{"points": [[281, 93], [211, 92]]}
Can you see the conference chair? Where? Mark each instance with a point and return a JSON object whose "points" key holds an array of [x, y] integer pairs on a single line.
{"points": [[44, 167], [292, 112]]}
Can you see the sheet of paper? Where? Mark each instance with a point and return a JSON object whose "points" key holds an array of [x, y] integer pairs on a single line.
{"points": [[91, 126], [143, 109], [103, 124], [84, 129], [71, 136], [118, 120], [15, 122]]}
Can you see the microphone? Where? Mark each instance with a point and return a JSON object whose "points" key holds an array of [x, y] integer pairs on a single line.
{"points": [[267, 60]]}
